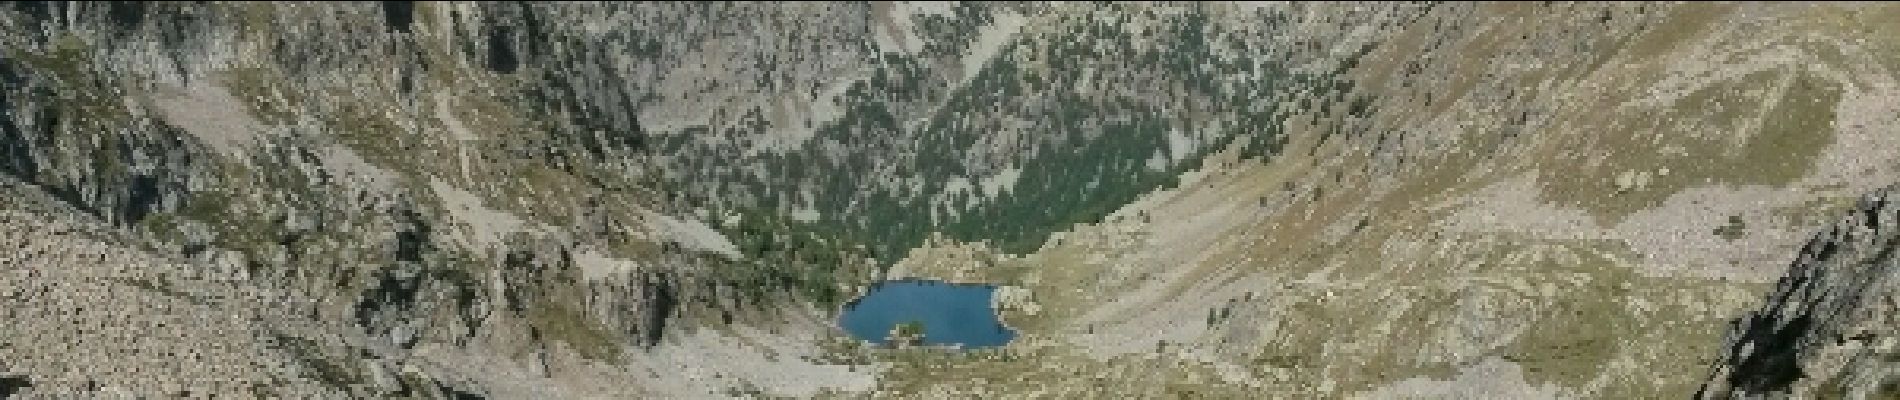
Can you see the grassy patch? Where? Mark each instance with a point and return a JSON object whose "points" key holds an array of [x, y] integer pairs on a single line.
{"points": [[1573, 336], [559, 322], [1731, 132], [1792, 134]]}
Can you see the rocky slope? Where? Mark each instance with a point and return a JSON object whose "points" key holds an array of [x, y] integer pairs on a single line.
{"points": [[384, 172], [1827, 329], [1557, 200], [669, 199]]}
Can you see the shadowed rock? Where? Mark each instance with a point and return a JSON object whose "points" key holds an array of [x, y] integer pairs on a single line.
{"points": [[1828, 328]]}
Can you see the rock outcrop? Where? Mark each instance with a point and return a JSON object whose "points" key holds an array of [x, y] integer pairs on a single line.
{"points": [[406, 183], [1831, 328]]}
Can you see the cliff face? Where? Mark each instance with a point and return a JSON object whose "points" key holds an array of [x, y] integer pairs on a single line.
{"points": [[402, 183], [1827, 329]]}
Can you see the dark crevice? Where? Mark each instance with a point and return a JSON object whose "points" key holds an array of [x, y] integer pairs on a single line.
{"points": [[466, 292], [12, 385], [1774, 364], [413, 240], [501, 52], [1872, 216], [16, 155], [70, 195], [662, 300], [126, 14], [192, 250], [37, 10], [533, 34], [390, 293], [398, 15], [523, 262], [142, 196], [458, 394]]}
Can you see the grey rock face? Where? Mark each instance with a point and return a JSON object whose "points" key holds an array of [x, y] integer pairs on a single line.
{"points": [[297, 145], [1831, 328]]}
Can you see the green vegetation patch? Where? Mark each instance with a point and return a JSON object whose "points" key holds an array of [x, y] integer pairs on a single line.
{"points": [[1080, 155], [563, 324], [1732, 132]]}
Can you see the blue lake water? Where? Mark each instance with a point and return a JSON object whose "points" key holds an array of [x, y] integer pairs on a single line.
{"points": [[951, 313]]}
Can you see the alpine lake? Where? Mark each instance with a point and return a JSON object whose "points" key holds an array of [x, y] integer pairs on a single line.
{"points": [[947, 314]]}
